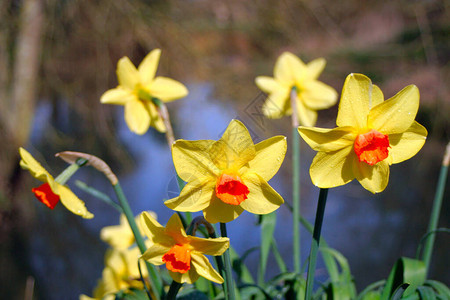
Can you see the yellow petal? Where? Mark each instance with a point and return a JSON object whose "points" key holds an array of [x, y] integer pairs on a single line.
{"points": [[277, 104], [167, 89], [317, 95], [192, 161], [154, 230], [262, 198], [189, 277], [333, 168], [355, 101], [155, 118], [327, 140], [204, 268], [137, 116], [405, 145], [148, 66], [195, 196], [120, 236], [219, 211], [127, 74], [377, 96], [288, 69], [373, 178], [269, 156], [118, 96], [306, 116], [70, 200], [28, 162], [268, 84], [234, 149], [216, 246], [175, 229], [396, 114], [155, 253], [316, 67]]}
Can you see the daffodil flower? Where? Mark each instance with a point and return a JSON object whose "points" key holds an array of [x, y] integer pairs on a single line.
{"points": [[228, 176], [312, 95], [121, 273], [137, 88], [182, 254], [120, 236], [371, 135], [51, 192]]}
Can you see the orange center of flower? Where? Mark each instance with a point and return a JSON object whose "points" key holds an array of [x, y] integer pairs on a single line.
{"points": [[178, 258], [230, 189], [372, 147], [45, 194]]}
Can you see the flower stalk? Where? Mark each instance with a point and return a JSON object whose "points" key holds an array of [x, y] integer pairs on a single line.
{"points": [[155, 281], [315, 242], [295, 182], [437, 204], [229, 295]]}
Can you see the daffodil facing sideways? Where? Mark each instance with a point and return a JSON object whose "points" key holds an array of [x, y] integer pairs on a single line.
{"points": [[291, 73], [228, 176], [52, 191], [120, 274], [137, 90], [121, 236], [372, 134], [182, 254]]}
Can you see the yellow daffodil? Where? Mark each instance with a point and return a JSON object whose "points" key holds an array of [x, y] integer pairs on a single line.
{"points": [[51, 192], [228, 176], [120, 236], [290, 72], [182, 254], [371, 135], [121, 272], [137, 88]]}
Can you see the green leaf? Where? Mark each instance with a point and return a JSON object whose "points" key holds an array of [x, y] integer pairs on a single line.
{"points": [[426, 293], [240, 268], [341, 286], [371, 290], [441, 289], [405, 270], [268, 223], [400, 291]]}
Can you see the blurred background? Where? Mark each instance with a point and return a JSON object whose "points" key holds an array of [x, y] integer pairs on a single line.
{"points": [[57, 57]]}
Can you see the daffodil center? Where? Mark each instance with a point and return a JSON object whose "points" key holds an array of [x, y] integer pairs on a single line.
{"points": [[45, 194], [371, 147], [178, 258], [231, 189], [142, 93]]}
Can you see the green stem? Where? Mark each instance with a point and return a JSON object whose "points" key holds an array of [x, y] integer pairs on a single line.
{"points": [[296, 198], [437, 204], [173, 290], [228, 274], [296, 252], [315, 242], [70, 170], [155, 281]]}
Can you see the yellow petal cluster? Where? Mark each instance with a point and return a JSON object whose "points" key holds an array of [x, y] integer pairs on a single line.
{"points": [[67, 197], [120, 273], [204, 163], [363, 110], [121, 236], [136, 89], [312, 95], [163, 239]]}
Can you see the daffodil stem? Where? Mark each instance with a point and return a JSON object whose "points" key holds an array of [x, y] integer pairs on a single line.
{"points": [[315, 242], [296, 199], [228, 274], [437, 204], [164, 113], [155, 281], [173, 290], [70, 170], [296, 251]]}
